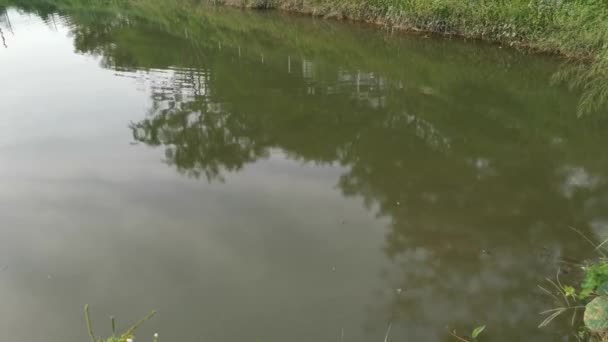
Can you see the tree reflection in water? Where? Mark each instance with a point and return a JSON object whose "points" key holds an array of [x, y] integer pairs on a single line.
{"points": [[478, 164]]}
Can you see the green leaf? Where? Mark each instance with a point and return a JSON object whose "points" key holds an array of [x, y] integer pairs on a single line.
{"points": [[596, 314], [602, 290], [582, 333], [569, 291], [478, 331], [595, 276]]}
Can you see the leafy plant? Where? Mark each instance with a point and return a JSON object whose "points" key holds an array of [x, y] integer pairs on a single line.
{"points": [[596, 275], [127, 336], [594, 284], [569, 291], [474, 334], [565, 295]]}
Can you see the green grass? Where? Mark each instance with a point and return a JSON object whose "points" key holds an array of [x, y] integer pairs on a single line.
{"points": [[127, 336], [577, 29], [574, 28], [587, 303]]}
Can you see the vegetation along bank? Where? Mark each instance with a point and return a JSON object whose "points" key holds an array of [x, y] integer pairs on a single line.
{"points": [[577, 29]]}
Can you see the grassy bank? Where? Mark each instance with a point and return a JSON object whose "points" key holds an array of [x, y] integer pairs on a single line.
{"points": [[571, 27], [574, 28]]}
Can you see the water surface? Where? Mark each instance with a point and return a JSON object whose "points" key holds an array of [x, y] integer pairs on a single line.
{"points": [[261, 177]]}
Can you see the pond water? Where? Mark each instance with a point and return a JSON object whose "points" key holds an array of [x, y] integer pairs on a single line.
{"points": [[256, 176]]}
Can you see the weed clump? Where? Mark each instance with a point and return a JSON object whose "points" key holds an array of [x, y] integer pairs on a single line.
{"points": [[127, 336]]}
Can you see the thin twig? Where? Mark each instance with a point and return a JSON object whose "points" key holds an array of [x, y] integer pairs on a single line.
{"points": [[3, 40], [560, 290], [588, 240], [551, 318], [555, 312], [601, 244], [8, 22], [552, 310], [453, 333], [388, 330], [548, 292], [573, 317], [561, 287], [561, 308], [571, 263]]}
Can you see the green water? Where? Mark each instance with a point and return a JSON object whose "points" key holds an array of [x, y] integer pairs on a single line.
{"points": [[255, 176]]}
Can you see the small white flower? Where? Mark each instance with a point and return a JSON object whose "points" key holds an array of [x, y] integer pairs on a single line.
{"points": [[155, 335], [129, 340]]}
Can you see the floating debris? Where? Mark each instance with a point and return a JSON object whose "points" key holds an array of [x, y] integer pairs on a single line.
{"points": [[426, 90]]}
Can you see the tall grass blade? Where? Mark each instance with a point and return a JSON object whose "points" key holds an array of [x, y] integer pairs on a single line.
{"points": [[87, 317], [136, 325]]}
